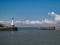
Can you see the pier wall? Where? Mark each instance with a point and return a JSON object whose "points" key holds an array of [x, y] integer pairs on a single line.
{"points": [[57, 28]]}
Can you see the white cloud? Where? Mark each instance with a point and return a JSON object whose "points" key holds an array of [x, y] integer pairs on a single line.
{"points": [[26, 22], [36, 22], [29, 22], [5, 21], [56, 16], [48, 21], [45, 21], [18, 22], [52, 14]]}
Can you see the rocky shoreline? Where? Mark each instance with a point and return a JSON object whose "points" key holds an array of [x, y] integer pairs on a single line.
{"points": [[3, 27]]}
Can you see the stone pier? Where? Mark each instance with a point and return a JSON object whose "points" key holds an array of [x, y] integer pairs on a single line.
{"points": [[57, 28]]}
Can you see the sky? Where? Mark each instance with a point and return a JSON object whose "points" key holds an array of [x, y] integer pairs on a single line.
{"points": [[30, 11]]}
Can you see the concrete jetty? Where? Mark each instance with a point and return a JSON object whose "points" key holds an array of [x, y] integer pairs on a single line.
{"points": [[57, 28], [50, 28]]}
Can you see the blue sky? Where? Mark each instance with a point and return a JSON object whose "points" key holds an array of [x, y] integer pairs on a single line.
{"points": [[28, 9]]}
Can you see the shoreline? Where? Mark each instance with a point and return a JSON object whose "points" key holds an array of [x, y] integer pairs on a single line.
{"points": [[29, 28], [41, 28]]}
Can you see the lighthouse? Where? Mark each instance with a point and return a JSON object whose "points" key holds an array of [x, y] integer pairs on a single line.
{"points": [[12, 22], [12, 27]]}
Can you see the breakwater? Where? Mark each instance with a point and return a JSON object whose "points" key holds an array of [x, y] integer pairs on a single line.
{"points": [[50, 28], [40, 28]]}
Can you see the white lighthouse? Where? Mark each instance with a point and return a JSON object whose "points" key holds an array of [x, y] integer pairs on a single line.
{"points": [[12, 22]]}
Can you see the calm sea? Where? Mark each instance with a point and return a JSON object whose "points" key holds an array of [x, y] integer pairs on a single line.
{"points": [[30, 37]]}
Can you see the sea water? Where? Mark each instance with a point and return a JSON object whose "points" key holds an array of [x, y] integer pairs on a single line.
{"points": [[30, 37]]}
